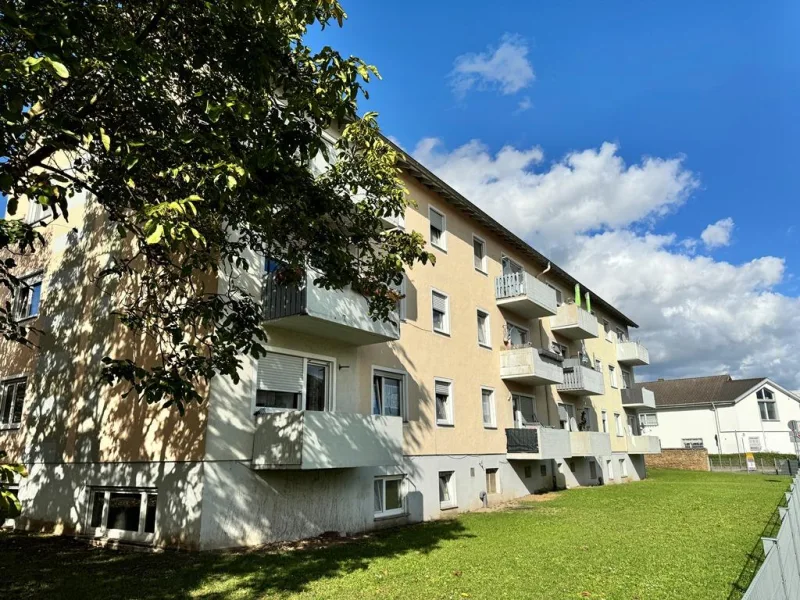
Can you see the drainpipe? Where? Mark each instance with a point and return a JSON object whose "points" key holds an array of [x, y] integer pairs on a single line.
{"points": [[719, 434]]}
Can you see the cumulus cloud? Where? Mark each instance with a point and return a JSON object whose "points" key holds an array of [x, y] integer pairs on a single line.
{"points": [[505, 68], [595, 215], [718, 234], [524, 104]]}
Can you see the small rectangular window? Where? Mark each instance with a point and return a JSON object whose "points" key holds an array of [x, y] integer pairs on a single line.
{"points": [[692, 443], [28, 298], [438, 228], [626, 379], [389, 496], [648, 420], [528, 473], [479, 253], [768, 409], [610, 470], [447, 489], [444, 402], [440, 306], [488, 408], [559, 294], [623, 468], [388, 391], [607, 329], [125, 511], [516, 335], [618, 424], [484, 335], [543, 470], [621, 337], [612, 376], [492, 481], [12, 402], [605, 421]]}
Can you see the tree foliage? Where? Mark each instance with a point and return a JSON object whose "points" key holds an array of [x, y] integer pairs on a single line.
{"points": [[193, 124]]}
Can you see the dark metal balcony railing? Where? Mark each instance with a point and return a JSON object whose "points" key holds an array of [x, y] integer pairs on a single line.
{"points": [[522, 441]]}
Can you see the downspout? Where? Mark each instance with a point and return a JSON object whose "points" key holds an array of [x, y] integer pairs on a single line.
{"points": [[547, 269], [719, 434]]}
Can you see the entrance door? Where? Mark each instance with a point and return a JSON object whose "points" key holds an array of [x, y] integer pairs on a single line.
{"points": [[524, 413]]}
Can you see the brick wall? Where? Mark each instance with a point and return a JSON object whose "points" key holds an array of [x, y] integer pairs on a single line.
{"points": [[679, 458]]}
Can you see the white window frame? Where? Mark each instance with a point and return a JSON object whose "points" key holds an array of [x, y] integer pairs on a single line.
{"points": [[604, 420], [28, 281], [451, 490], [497, 488], [645, 416], [559, 293], [451, 416], [610, 468], [402, 309], [692, 443], [520, 327], [623, 468], [488, 343], [482, 268], [11, 424], [402, 375], [765, 402], [612, 376], [120, 534], [607, 329], [492, 424], [618, 424], [443, 237], [394, 512], [445, 331], [330, 404]]}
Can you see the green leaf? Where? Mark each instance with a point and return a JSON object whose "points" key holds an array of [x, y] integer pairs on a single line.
{"points": [[156, 236], [57, 68], [106, 139]]}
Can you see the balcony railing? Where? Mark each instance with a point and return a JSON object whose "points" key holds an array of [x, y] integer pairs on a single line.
{"points": [[581, 380], [296, 439], [574, 322], [537, 443], [523, 294], [632, 353], [336, 314], [530, 365], [590, 443], [638, 397], [644, 444]]}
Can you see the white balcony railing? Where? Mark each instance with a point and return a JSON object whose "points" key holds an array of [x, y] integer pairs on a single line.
{"points": [[523, 294]]}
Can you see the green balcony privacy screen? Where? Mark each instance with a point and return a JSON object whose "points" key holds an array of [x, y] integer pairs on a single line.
{"points": [[578, 294]]}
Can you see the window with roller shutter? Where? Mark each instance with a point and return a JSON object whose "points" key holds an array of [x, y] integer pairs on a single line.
{"points": [[438, 228]]}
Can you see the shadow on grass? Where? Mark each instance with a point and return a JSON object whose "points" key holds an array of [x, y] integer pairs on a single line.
{"points": [[755, 558], [34, 566]]}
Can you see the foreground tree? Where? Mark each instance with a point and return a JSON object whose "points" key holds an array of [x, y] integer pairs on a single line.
{"points": [[194, 124]]}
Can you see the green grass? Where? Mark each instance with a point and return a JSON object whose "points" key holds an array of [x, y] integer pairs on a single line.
{"points": [[678, 535]]}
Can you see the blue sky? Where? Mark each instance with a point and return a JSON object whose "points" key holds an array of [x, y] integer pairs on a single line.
{"points": [[712, 86]]}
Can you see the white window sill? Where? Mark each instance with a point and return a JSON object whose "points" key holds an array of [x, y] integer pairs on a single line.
{"points": [[26, 319], [482, 272], [445, 424], [771, 420], [447, 506], [485, 426], [439, 248], [390, 515], [442, 332], [486, 346], [13, 427]]}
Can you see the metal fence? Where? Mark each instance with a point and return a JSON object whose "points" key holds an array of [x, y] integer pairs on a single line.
{"points": [[778, 577], [764, 466]]}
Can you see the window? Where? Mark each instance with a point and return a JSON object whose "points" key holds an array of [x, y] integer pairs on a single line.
{"points": [[605, 421], [123, 512], [524, 410], [444, 401], [559, 295], [487, 406], [289, 382], [610, 470], [691, 443], [389, 496], [440, 305], [618, 424], [12, 401], [509, 266], [623, 468], [401, 302], [388, 393], [626, 379], [438, 229], [598, 365], [607, 329], [592, 470], [516, 335], [755, 444], [28, 297], [766, 405], [447, 489], [492, 481], [561, 349], [648, 420], [612, 376], [621, 337], [528, 473], [479, 253], [484, 335], [543, 470]]}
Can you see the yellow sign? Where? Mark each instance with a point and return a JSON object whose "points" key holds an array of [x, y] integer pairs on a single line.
{"points": [[751, 461]]}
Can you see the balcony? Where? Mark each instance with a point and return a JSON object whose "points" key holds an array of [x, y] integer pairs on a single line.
{"points": [[296, 439], [644, 444], [532, 366], [537, 443], [524, 295], [574, 322], [580, 379], [341, 315], [632, 353], [590, 443], [638, 397]]}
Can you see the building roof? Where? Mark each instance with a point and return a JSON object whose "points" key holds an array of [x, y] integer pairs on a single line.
{"points": [[699, 391], [427, 178]]}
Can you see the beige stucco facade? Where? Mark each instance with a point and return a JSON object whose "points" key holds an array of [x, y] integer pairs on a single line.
{"points": [[219, 479]]}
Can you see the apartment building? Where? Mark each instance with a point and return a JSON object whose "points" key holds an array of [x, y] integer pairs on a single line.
{"points": [[722, 414], [500, 376]]}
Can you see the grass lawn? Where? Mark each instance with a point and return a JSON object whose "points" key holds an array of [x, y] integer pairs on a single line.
{"points": [[678, 535]]}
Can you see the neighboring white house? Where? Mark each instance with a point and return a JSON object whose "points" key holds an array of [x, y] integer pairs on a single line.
{"points": [[722, 414]]}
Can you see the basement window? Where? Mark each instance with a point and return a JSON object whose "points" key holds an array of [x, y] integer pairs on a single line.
{"points": [[123, 513], [389, 496]]}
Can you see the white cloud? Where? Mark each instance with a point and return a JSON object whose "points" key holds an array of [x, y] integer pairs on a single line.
{"points": [[505, 68], [594, 215], [718, 234], [524, 104]]}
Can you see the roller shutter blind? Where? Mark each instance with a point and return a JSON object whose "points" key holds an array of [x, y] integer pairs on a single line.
{"points": [[439, 303], [437, 220], [442, 387], [281, 373]]}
